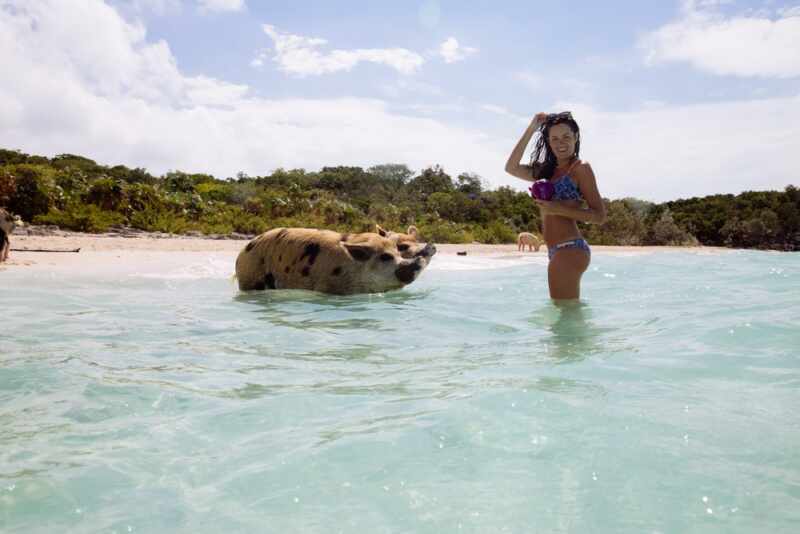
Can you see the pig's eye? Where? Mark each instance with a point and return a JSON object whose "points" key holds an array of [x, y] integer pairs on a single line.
{"points": [[403, 248], [386, 257]]}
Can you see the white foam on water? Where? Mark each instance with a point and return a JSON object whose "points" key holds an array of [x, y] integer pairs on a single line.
{"points": [[481, 263], [224, 268], [209, 268], [187, 267]]}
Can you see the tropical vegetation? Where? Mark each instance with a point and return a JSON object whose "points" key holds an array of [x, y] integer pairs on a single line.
{"points": [[76, 193]]}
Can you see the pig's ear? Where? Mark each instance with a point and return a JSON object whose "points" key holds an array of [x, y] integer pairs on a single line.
{"points": [[359, 252], [381, 231]]}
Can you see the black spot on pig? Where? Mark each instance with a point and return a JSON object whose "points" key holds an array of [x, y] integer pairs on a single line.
{"points": [[311, 252]]}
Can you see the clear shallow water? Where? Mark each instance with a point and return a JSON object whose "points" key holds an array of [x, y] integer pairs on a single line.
{"points": [[169, 402]]}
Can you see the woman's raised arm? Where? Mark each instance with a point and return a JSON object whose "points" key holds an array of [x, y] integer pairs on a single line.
{"points": [[513, 165]]}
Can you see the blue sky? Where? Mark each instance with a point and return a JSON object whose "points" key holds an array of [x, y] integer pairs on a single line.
{"points": [[675, 99]]}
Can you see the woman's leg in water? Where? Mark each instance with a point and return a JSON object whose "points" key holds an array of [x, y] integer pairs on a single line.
{"points": [[564, 273]]}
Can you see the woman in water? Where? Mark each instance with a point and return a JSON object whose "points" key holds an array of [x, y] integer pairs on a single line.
{"points": [[555, 158]]}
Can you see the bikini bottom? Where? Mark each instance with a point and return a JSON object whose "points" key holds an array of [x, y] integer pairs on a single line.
{"points": [[579, 243]]}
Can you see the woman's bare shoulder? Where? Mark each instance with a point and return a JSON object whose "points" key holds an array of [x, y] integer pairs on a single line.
{"points": [[583, 168]]}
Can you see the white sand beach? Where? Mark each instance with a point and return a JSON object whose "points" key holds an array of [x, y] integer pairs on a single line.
{"points": [[152, 253]]}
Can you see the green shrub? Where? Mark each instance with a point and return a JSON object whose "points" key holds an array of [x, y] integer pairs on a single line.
{"points": [[131, 176], [107, 194], [153, 220], [441, 231], [73, 182], [216, 191], [665, 232], [181, 182], [142, 197], [496, 233], [82, 218], [240, 192], [12, 157], [8, 186], [36, 191]]}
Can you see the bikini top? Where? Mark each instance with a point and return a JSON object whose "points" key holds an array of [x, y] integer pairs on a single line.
{"points": [[565, 187]]}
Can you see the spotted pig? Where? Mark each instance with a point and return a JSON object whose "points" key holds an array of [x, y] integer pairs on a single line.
{"points": [[329, 262]]}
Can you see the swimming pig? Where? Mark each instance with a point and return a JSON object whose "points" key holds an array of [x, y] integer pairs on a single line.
{"points": [[330, 262], [7, 225]]}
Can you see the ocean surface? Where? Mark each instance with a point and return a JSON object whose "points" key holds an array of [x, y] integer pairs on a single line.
{"points": [[164, 400]]}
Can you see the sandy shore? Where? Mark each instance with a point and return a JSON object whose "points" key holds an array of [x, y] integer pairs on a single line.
{"points": [[146, 249]]}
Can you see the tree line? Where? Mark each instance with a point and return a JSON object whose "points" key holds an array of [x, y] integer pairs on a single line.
{"points": [[76, 193]]}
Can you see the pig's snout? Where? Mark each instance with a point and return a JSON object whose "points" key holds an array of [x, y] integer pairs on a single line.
{"points": [[427, 252]]}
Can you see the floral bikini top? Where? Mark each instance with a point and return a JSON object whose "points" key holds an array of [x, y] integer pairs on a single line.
{"points": [[565, 187]]}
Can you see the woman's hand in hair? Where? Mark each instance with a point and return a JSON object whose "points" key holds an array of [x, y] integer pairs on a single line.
{"points": [[538, 119], [513, 165]]}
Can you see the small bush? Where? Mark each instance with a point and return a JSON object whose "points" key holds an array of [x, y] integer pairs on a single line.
{"points": [[666, 232], [152, 220], [107, 194], [8, 186], [441, 231], [218, 192], [82, 218], [496, 233], [36, 191]]}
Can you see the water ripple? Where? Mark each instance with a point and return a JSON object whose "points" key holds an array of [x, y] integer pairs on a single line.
{"points": [[174, 403]]}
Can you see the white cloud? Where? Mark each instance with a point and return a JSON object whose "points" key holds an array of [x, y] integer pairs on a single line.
{"points": [[88, 82], [672, 152], [503, 112], [748, 45], [300, 55], [452, 52], [409, 86], [789, 11], [437, 109], [159, 7], [499, 110], [261, 57], [221, 5]]}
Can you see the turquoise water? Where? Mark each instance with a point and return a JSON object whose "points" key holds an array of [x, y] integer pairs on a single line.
{"points": [[467, 402]]}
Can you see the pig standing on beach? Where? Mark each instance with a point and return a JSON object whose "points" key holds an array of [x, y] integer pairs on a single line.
{"points": [[330, 262], [527, 238]]}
